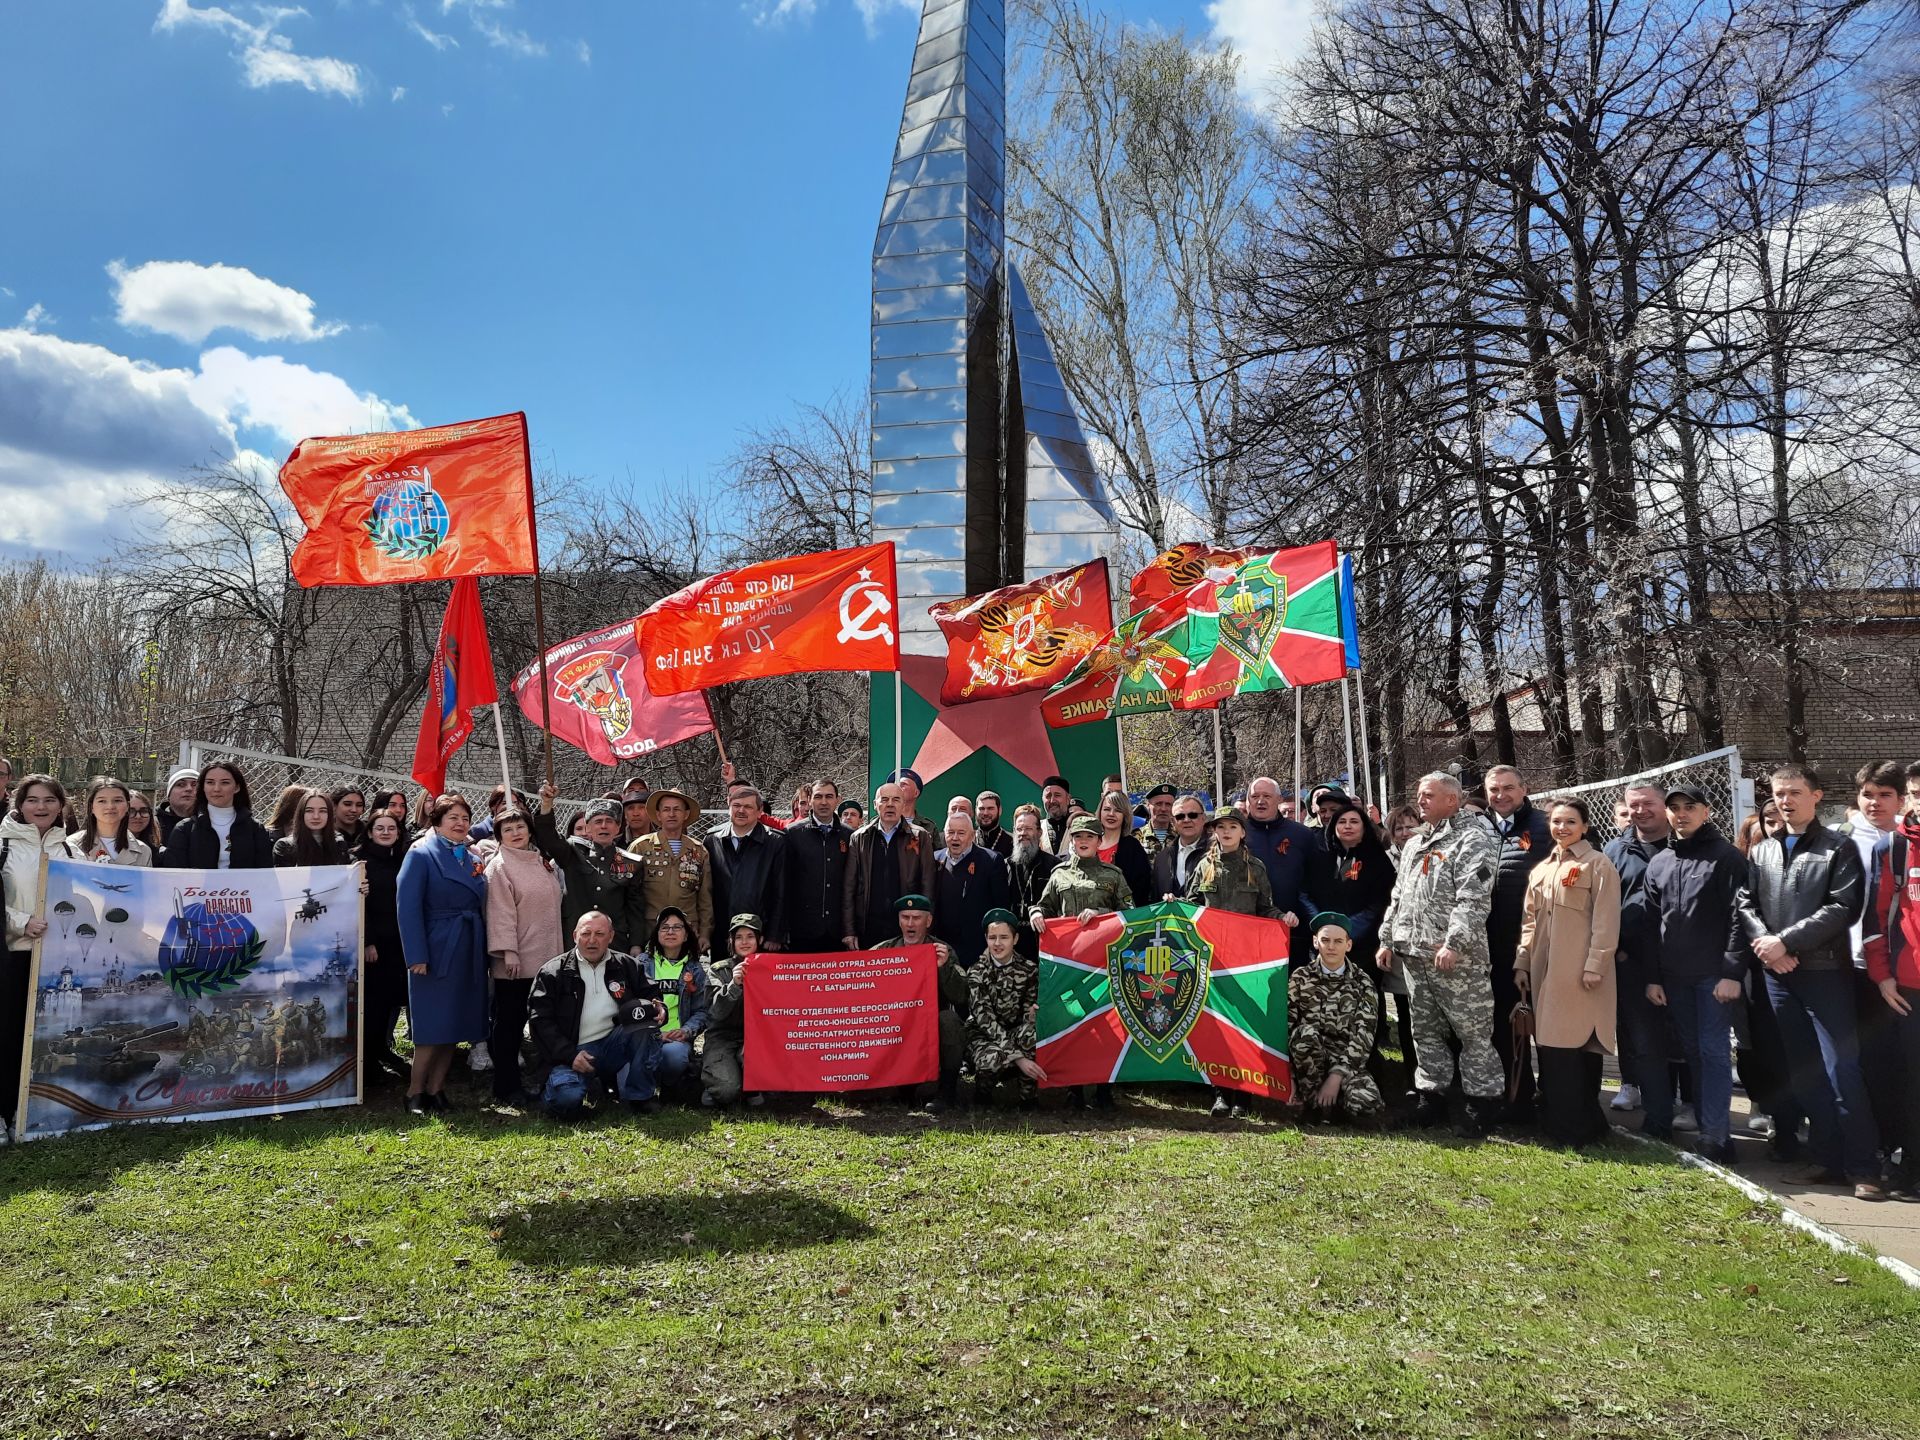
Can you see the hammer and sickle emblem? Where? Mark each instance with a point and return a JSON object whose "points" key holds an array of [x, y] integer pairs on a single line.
{"points": [[870, 623]]}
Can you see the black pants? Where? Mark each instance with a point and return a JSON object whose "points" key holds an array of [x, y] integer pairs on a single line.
{"points": [[16, 971], [509, 1028], [1762, 1064], [1570, 1112], [386, 997], [1506, 995], [1880, 1064], [1907, 1036]]}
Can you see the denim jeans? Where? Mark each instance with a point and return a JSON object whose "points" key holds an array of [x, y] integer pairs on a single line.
{"points": [[674, 1058], [1704, 1025], [626, 1056], [1815, 1009]]}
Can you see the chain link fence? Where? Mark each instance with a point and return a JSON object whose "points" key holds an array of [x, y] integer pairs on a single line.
{"points": [[267, 775], [1717, 773]]}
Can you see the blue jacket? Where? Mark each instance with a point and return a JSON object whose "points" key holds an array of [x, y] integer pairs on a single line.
{"points": [[1687, 897], [1639, 923], [441, 903], [1284, 846]]}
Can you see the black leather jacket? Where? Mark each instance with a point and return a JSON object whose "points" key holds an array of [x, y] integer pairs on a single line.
{"points": [[560, 992], [1810, 901]]}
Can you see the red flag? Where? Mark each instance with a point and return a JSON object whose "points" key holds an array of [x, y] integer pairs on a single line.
{"points": [[1182, 567], [1023, 637], [837, 610], [597, 686], [848, 1020], [460, 682], [413, 504]]}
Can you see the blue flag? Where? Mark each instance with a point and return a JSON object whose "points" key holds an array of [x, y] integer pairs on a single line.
{"points": [[1349, 618]]}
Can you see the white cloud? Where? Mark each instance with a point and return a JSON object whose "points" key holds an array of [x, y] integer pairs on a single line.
{"points": [[872, 10], [190, 302], [268, 392], [778, 12], [583, 52], [1267, 34], [399, 94], [36, 317], [266, 57], [84, 430], [437, 39], [514, 42]]}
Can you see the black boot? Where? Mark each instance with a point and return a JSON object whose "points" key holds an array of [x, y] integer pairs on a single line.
{"points": [[1429, 1110], [1478, 1121]]}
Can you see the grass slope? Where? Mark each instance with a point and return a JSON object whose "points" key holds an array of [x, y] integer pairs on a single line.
{"points": [[357, 1273]]}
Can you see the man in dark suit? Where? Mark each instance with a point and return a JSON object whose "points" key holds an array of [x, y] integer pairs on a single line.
{"points": [[1174, 864], [818, 849], [749, 869]]}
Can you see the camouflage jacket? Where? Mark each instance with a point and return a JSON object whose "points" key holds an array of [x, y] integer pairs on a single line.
{"points": [[1152, 843], [1330, 1019], [1236, 882], [950, 980], [1077, 885], [999, 1021], [1444, 889]]}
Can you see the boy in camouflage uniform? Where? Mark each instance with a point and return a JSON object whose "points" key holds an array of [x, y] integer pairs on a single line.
{"points": [[1435, 929], [1005, 990], [1330, 1018]]}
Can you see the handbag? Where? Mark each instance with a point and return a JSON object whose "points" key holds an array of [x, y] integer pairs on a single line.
{"points": [[1521, 1021]]}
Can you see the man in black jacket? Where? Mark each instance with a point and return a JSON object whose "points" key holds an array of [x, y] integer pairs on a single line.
{"points": [[817, 849], [1524, 841], [600, 875], [968, 881], [1175, 862], [595, 1017], [1027, 871], [749, 869], [1693, 958], [986, 815], [1796, 912], [1646, 1077]]}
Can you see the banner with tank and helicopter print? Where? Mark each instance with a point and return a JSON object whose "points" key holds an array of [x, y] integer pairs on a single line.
{"points": [[191, 995]]}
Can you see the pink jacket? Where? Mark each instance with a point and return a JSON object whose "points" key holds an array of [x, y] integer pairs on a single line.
{"points": [[523, 913]]}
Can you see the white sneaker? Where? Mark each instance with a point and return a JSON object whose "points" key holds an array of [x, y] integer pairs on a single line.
{"points": [[1685, 1119], [1760, 1123], [1627, 1098], [478, 1060]]}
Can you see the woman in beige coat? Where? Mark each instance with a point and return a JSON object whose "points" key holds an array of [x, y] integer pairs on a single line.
{"points": [[523, 933], [1565, 967]]}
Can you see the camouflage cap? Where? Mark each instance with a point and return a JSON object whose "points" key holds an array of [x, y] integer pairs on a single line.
{"points": [[1084, 825], [746, 922], [1228, 814]]}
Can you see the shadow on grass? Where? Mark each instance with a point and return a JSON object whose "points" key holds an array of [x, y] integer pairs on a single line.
{"points": [[565, 1234]]}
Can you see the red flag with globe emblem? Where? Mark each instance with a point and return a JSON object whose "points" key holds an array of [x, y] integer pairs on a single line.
{"points": [[834, 610], [433, 504]]}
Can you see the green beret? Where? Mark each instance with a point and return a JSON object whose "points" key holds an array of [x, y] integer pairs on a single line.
{"points": [[1004, 917], [746, 922], [1083, 825], [1329, 917], [1157, 791], [914, 902]]}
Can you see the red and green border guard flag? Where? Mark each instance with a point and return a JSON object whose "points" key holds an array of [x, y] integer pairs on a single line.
{"points": [[1170, 992], [1280, 618]]}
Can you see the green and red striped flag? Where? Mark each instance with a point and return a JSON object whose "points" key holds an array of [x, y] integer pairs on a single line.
{"points": [[1279, 618], [1165, 657], [1170, 992]]}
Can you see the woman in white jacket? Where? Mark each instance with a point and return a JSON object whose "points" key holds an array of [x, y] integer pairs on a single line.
{"points": [[104, 837], [31, 829]]}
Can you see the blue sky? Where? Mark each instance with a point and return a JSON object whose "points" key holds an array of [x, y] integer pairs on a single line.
{"points": [[646, 223]]}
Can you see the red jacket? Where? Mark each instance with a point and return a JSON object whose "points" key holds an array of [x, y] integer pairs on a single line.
{"points": [[1892, 931]]}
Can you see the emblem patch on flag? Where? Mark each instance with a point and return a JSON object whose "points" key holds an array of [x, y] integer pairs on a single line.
{"points": [[1253, 606], [1158, 968]]}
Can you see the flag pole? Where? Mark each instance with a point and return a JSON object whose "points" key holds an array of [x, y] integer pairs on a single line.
{"points": [[899, 723], [539, 613], [1346, 715], [506, 774], [1299, 763], [1219, 759], [1366, 751]]}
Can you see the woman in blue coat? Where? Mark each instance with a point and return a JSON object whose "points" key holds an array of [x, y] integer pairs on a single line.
{"points": [[442, 908]]}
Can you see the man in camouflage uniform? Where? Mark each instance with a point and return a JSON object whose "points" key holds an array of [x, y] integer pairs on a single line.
{"points": [[915, 916], [1083, 886], [1435, 929], [1157, 833], [1330, 1018], [673, 868], [1004, 995]]}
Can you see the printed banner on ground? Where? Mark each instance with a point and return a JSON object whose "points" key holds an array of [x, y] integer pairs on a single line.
{"points": [[404, 505], [600, 701], [1170, 992], [192, 994], [847, 1020]]}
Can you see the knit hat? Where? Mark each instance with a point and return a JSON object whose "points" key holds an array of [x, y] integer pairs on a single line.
{"points": [[185, 772]]}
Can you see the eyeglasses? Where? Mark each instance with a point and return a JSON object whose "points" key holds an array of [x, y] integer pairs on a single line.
{"points": [[1189, 815], [139, 813]]}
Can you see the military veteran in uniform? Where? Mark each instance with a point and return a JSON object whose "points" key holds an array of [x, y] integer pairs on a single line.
{"points": [[1434, 932], [674, 867]]}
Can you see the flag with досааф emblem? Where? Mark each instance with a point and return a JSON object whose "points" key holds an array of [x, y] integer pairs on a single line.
{"points": [[1169, 992], [1022, 637]]}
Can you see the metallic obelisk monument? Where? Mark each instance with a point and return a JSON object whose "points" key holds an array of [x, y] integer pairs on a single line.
{"points": [[981, 473]]}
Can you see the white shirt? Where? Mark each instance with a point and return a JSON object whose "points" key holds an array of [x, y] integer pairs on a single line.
{"points": [[1186, 856], [221, 818], [597, 1010]]}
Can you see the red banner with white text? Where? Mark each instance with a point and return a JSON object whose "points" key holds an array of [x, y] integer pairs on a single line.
{"points": [[848, 1020]]}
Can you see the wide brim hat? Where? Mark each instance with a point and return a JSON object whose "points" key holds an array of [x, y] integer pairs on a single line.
{"points": [[654, 799]]}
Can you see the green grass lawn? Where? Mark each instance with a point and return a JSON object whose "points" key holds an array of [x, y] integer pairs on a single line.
{"points": [[826, 1272]]}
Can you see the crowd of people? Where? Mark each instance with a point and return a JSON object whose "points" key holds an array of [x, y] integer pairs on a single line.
{"points": [[614, 953]]}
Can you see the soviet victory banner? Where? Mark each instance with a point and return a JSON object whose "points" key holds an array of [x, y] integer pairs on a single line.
{"points": [[1170, 992], [835, 610], [1023, 637], [404, 505]]}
